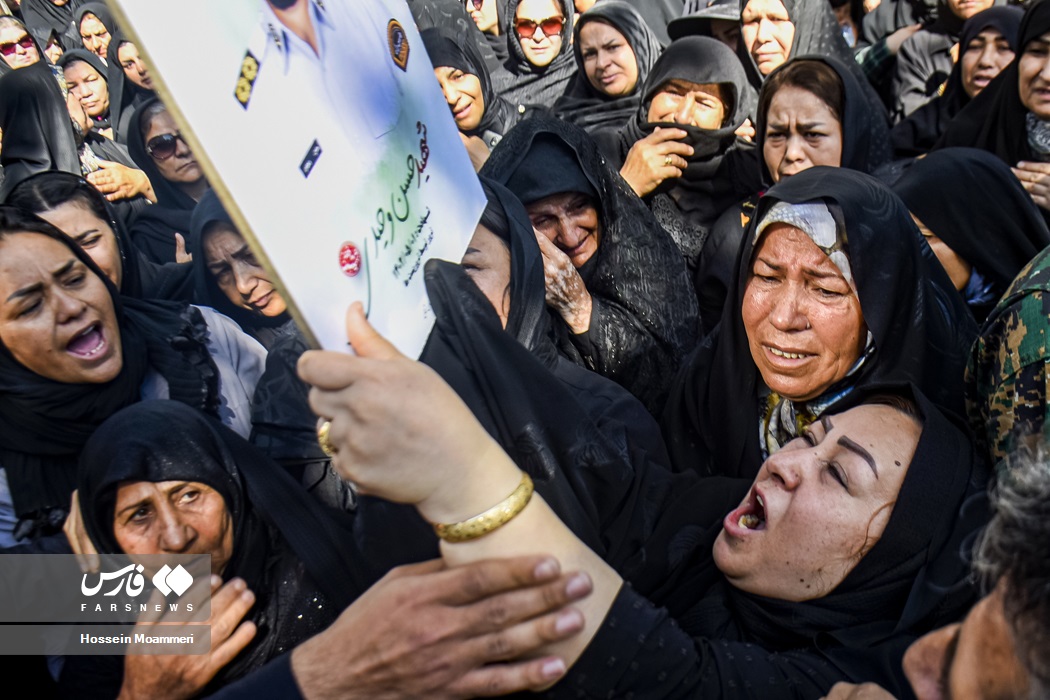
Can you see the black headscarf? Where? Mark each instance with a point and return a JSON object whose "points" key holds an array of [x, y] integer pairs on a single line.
{"points": [[38, 134], [817, 33], [451, 17], [582, 104], [287, 548], [100, 10], [721, 169], [500, 116], [140, 279], [154, 229], [920, 131], [996, 240], [529, 84], [865, 137], [920, 329], [44, 18], [658, 14], [644, 311], [124, 95], [915, 578], [209, 211], [102, 120], [995, 120], [44, 424]]}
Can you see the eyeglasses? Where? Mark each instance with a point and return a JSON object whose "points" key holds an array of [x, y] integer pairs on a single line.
{"points": [[9, 47], [476, 3], [164, 146], [550, 26]]}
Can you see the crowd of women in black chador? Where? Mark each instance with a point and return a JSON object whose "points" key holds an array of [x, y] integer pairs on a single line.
{"points": [[719, 309]]}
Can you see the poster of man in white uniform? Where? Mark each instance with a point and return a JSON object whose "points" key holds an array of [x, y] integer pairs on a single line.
{"points": [[328, 138]]}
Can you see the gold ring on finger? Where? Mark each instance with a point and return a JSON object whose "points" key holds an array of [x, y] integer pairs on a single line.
{"points": [[323, 439], [668, 160]]}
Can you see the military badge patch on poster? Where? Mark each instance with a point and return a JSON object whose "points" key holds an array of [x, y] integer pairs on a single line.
{"points": [[246, 81], [398, 42]]}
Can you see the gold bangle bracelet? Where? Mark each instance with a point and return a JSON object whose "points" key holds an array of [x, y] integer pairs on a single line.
{"points": [[492, 519]]}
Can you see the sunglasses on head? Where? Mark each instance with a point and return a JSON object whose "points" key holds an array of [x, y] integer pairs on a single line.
{"points": [[163, 147], [550, 26], [476, 3], [9, 47]]}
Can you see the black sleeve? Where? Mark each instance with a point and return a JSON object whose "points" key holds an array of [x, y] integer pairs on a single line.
{"points": [[641, 652], [274, 681]]}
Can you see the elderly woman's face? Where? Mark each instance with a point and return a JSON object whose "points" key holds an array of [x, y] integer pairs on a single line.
{"points": [[487, 262], [801, 132], [608, 60], [984, 58], [539, 30], [17, 47], [94, 35], [95, 236], [1033, 76], [173, 517], [89, 86], [56, 315], [803, 319], [691, 104], [570, 221], [241, 278], [818, 505], [768, 33], [181, 167], [464, 96]]}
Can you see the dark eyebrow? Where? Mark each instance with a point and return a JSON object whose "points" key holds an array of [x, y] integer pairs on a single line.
{"points": [[825, 421], [809, 272], [470, 251], [39, 286], [860, 452], [810, 125], [243, 251], [85, 234], [946, 666]]}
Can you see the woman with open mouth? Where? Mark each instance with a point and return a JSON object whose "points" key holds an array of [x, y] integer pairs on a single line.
{"points": [[823, 569], [834, 290], [73, 351]]}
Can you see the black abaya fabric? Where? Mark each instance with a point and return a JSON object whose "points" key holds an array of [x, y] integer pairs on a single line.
{"points": [[210, 211], [722, 168], [864, 137], [994, 121], [43, 18], [293, 554], [920, 327], [643, 320], [915, 578], [983, 214], [102, 120], [154, 228], [44, 424], [38, 134], [500, 116], [595, 471], [124, 95], [141, 278], [526, 84], [817, 33], [920, 131], [585, 106], [658, 14]]}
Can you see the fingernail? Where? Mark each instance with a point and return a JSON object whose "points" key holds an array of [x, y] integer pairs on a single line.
{"points": [[555, 668], [215, 581], [578, 586], [247, 596], [568, 621], [546, 569], [238, 584]]}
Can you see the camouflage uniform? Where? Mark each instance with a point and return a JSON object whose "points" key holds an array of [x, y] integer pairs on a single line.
{"points": [[1006, 377]]}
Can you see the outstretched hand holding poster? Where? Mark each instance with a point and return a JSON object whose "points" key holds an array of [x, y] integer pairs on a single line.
{"points": [[327, 137]]}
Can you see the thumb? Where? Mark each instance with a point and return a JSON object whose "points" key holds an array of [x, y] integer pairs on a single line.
{"points": [[364, 339], [106, 163]]}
